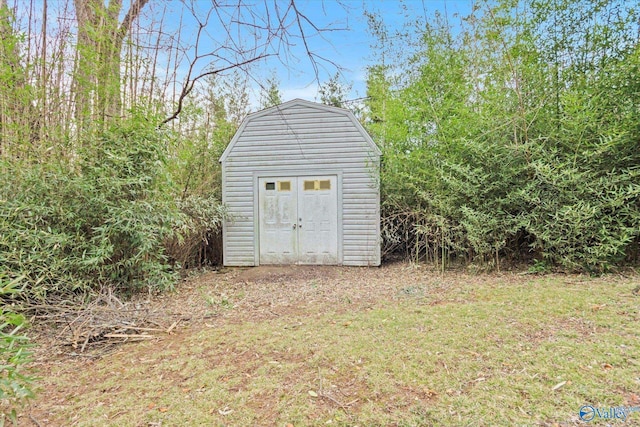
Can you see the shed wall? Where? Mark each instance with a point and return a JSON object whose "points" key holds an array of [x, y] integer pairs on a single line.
{"points": [[302, 140]]}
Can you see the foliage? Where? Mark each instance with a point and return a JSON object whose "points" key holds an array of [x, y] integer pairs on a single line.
{"points": [[206, 127], [14, 353], [334, 92], [512, 137], [16, 112], [201, 242], [270, 94], [100, 220]]}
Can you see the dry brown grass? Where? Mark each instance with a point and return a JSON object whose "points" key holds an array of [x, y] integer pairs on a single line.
{"points": [[396, 345]]}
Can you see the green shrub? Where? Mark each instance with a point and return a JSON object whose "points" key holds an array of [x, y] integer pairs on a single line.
{"points": [[199, 241], [98, 221], [14, 354], [500, 141]]}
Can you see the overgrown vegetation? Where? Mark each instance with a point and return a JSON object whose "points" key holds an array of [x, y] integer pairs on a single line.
{"points": [[15, 385], [98, 221], [512, 134]]}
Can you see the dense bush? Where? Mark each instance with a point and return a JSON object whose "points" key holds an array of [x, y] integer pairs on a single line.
{"points": [[98, 220], [15, 385], [207, 127], [200, 242], [513, 138]]}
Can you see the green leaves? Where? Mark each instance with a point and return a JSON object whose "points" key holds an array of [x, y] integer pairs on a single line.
{"points": [[333, 92], [517, 130], [14, 354], [99, 221]]}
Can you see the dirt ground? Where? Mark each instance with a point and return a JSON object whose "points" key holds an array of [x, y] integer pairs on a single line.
{"points": [[228, 296], [235, 295]]}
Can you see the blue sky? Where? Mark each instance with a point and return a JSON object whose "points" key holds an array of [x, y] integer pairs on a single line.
{"points": [[349, 46], [352, 48]]}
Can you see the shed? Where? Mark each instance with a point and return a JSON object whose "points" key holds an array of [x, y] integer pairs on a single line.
{"points": [[300, 182]]}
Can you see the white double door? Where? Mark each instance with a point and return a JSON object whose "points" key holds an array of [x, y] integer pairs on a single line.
{"points": [[298, 220]]}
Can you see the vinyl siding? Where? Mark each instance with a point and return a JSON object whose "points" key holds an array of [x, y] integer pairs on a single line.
{"points": [[301, 138]]}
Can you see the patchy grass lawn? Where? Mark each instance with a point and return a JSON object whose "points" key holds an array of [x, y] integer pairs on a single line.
{"points": [[393, 346]]}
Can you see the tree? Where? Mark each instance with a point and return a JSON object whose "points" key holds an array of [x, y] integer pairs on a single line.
{"points": [[101, 36], [513, 135], [15, 95], [117, 54], [270, 93], [334, 92], [267, 29], [236, 97]]}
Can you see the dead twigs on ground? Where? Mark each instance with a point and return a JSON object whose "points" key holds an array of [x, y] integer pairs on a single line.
{"points": [[103, 322]]}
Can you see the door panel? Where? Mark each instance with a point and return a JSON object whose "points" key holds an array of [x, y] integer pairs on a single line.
{"points": [[278, 220], [318, 220]]}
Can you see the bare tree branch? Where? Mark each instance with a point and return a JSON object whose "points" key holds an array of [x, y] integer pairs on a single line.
{"points": [[132, 15], [251, 33], [190, 84]]}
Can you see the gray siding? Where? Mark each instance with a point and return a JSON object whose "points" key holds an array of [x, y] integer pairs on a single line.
{"points": [[300, 137]]}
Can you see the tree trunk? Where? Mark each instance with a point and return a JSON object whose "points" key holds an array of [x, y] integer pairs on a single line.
{"points": [[97, 82]]}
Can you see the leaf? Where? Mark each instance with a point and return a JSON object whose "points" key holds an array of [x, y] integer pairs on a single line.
{"points": [[430, 393], [558, 386], [313, 393], [225, 411]]}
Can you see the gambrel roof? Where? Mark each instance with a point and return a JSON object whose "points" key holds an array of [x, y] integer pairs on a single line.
{"points": [[281, 111]]}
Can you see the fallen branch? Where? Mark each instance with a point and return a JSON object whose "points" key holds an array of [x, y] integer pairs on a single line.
{"points": [[135, 336], [106, 320]]}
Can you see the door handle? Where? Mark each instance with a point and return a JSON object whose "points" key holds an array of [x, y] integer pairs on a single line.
{"points": [[294, 226]]}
